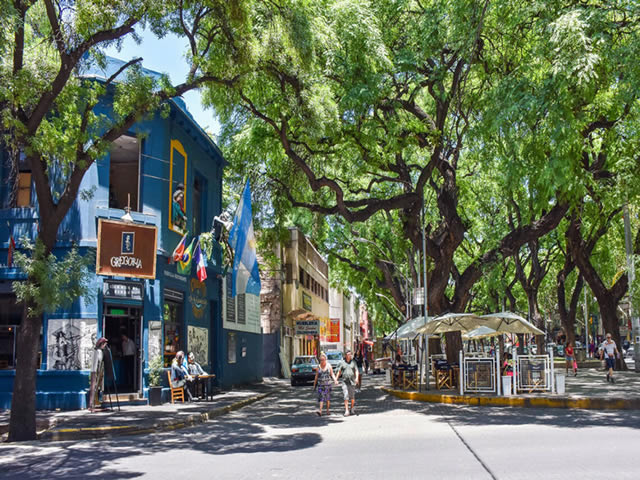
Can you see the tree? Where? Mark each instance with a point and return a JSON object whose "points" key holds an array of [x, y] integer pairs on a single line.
{"points": [[49, 113], [361, 108]]}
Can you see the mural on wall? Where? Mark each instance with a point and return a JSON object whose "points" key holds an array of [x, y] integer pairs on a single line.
{"points": [[70, 343], [198, 297], [198, 341], [178, 190]]}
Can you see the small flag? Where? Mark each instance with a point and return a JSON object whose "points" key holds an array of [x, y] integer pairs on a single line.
{"points": [[179, 251], [184, 265], [12, 247], [245, 273], [201, 263]]}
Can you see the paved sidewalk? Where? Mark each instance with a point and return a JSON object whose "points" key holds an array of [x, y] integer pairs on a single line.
{"points": [[588, 390], [132, 420]]}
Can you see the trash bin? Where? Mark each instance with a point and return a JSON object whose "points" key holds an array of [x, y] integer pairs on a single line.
{"points": [[560, 383], [506, 385], [581, 354]]}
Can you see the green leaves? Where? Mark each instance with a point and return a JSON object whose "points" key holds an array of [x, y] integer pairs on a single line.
{"points": [[51, 283]]}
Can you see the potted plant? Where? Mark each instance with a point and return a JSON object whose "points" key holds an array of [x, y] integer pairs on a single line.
{"points": [[156, 369]]}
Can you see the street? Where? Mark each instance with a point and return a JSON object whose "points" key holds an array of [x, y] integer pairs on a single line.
{"points": [[281, 437]]}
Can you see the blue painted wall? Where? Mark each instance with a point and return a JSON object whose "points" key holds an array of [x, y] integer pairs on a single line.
{"points": [[66, 389]]}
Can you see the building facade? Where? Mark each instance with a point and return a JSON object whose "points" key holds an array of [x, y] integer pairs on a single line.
{"points": [[168, 171]]}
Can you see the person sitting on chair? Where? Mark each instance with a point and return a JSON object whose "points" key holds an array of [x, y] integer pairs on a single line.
{"points": [[179, 374], [193, 366]]}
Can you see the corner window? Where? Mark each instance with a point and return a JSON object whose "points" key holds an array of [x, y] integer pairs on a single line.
{"points": [[24, 190], [124, 173], [199, 206]]}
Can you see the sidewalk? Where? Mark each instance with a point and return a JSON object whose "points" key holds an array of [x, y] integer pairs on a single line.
{"points": [[589, 390], [134, 420]]}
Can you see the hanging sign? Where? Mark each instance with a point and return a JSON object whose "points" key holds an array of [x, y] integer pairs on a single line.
{"points": [[308, 327], [126, 249]]}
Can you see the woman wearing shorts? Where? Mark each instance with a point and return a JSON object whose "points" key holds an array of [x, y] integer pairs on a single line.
{"points": [[323, 381], [569, 356]]}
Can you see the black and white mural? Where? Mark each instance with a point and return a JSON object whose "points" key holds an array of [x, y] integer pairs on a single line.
{"points": [[70, 343], [198, 341]]}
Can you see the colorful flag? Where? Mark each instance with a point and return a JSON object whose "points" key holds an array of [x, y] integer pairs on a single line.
{"points": [[201, 263], [245, 274], [12, 247], [184, 264], [179, 251]]}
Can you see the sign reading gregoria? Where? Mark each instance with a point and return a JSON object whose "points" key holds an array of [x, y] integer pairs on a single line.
{"points": [[126, 249]]}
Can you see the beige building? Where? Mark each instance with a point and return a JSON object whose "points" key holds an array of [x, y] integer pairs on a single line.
{"points": [[305, 297]]}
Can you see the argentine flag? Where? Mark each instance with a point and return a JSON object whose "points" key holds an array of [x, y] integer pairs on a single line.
{"points": [[245, 275]]}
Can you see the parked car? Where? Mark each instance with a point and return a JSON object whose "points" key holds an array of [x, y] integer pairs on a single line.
{"points": [[629, 353], [304, 369], [334, 357]]}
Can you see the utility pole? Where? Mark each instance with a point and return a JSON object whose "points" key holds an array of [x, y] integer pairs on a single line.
{"points": [[635, 323], [425, 304]]}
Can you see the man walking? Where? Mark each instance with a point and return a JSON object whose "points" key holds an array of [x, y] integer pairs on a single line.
{"points": [[609, 350], [348, 370]]}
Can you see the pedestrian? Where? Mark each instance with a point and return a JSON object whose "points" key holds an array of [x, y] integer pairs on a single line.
{"points": [[609, 350], [323, 382], [128, 357], [570, 359], [348, 370]]}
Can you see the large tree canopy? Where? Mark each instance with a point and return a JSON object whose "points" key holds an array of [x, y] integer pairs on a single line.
{"points": [[361, 111]]}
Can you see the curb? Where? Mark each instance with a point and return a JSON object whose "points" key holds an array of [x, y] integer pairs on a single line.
{"points": [[91, 433], [521, 402]]}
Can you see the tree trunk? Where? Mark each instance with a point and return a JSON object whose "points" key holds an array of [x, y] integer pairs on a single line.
{"points": [[453, 346], [22, 424]]}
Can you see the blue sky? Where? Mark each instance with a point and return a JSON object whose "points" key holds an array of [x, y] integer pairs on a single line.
{"points": [[166, 55]]}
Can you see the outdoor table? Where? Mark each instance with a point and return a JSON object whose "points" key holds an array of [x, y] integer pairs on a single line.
{"points": [[205, 381]]}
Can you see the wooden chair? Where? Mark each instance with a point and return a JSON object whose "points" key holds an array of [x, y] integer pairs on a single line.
{"points": [[410, 379], [177, 393]]}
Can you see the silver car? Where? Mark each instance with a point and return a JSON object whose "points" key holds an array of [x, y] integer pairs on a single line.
{"points": [[334, 357]]}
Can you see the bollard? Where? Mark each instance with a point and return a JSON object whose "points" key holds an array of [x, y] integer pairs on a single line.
{"points": [[560, 378], [506, 386]]}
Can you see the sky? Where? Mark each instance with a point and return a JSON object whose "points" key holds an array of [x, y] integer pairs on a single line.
{"points": [[166, 55]]}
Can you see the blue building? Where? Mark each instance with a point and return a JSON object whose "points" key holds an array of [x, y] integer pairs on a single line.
{"points": [[169, 172]]}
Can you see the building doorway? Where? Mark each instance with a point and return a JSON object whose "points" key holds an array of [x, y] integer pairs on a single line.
{"points": [[123, 329]]}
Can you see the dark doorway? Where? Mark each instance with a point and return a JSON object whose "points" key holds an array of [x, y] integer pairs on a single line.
{"points": [[122, 328]]}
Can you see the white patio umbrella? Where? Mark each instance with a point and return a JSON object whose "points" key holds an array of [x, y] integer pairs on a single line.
{"points": [[480, 332], [451, 322], [509, 322], [408, 329]]}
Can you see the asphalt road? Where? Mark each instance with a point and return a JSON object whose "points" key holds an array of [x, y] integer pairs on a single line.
{"points": [[282, 438]]}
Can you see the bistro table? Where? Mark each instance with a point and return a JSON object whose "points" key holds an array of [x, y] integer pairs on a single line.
{"points": [[205, 381]]}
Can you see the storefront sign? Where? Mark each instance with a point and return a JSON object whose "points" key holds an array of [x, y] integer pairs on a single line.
{"points": [[126, 249], [334, 331], [122, 290], [306, 301], [308, 327]]}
